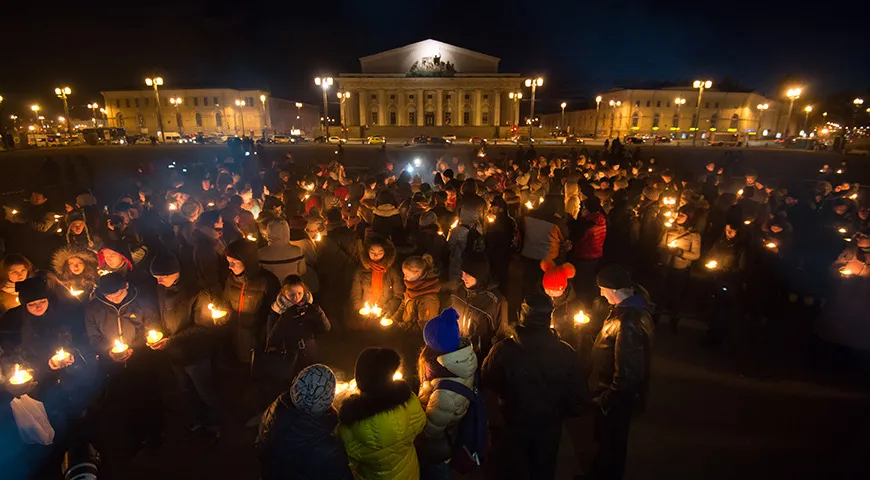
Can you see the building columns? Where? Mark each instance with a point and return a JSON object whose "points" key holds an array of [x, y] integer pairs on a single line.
{"points": [[401, 119], [460, 98], [476, 108], [363, 108], [439, 107], [420, 111], [496, 114], [382, 107]]}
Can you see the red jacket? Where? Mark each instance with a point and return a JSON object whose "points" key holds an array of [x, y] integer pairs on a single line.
{"points": [[591, 245]]}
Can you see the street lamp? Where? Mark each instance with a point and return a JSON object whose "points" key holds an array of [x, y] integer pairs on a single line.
{"points": [[792, 94], [807, 109], [175, 103], [516, 97], [597, 110], [241, 103], [299, 113], [94, 106], [613, 106], [534, 83], [62, 93], [761, 108], [562, 121], [700, 85], [857, 102], [342, 109], [324, 83], [679, 101], [264, 121], [156, 82]]}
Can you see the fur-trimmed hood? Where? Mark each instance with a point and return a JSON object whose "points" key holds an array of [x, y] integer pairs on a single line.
{"points": [[61, 255], [389, 251], [361, 406]]}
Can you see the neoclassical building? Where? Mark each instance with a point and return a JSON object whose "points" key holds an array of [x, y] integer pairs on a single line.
{"points": [[428, 87]]}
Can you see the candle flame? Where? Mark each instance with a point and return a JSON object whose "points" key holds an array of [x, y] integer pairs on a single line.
{"points": [[376, 310], [454, 224], [842, 230], [398, 376], [673, 244], [216, 312], [119, 346], [668, 213], [490, 218], [386, 322], [740, 192], [210, 204], [845, 272], [529, 205], [74, 292], [441, 232], [14, 212], [712, 265], [669, 201], [770, 245], [318, 237], [581, 318], [173, 206], [839, 172], [747, 222], [20, 376], [103, 272], [251, 237], [669, 224], [540, 199], [154, 336], [853, 196], [60, 356], [366, 310], [341, 387]]}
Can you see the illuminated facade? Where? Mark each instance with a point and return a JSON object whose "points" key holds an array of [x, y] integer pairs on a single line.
{"points": [[659, 112], [207, 111], [428, 87]]}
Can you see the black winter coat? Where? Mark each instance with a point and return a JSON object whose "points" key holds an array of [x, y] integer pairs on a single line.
{"points": [[250, 299], [296, 330], [187, 323], [538, 378], [621, 355], [482, 315], [293, 445], [209, 259]]}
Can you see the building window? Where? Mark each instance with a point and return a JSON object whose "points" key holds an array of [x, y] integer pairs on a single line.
{"points": [[429, 119], [195, 101], [659, 104], [250, 101], [147, 102], [180, 122], [449, 96], [676, 121], [205, 101], [668, 104], [448, 117], [716, 105], [656, 119], [392, 97], [215, 101], [635, 120], [120, 119], [374, 96], [734, 121], [412, 117], [647, 103], [706, 104], [714, 119], [411, 96], [429, 97], [374, 116], [484, 117], [486, 97], [117, 103], [467, 96], [198, 119], [218, 119], [136, 102], [466, 117], [637, 103], [140, 120], [393, 118], [694, 121]]}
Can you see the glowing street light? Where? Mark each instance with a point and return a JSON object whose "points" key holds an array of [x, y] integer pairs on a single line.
{"points": [[679, 101], [516, 97], [175, 102], [343, 98], [534, 83], [264, 121], [241, 103], [700, 85], [562, 122], [157, 82], [792, 94], [613, 105], [324, 83], [761, 108], [808, 109], [94, 106], [597, 110], [62, 93]]}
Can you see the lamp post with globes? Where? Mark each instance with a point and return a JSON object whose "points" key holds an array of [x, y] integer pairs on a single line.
{"points": [[62, 93], [857, 102], [157, 82], [516, 97], [597, 110], [700, 85], [679, 101], [264, 120], [343, 98], [94, 106], [175, 102], [299, 113], [562, 121], [240, 104], [808, 109], [792, 94], [613, 106], [534, 83], [324, 83], [761, 108], [35, 110]]}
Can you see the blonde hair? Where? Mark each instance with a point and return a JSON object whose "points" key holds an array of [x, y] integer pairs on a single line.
{"points": [[424, 263]]}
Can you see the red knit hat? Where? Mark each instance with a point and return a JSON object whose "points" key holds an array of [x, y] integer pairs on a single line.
{"points": [[556, 277]]}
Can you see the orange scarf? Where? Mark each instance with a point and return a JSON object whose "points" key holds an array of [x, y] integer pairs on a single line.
{"points": [[378, 271]]}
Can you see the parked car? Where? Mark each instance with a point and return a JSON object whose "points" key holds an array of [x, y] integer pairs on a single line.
{"points": [[376, 140], [523, 139], [143, 140], [477, 141], [572, 140], [280, 139], [450, 137], [335, 140], [662, 139], [297, 139], [172, 137], [633, 140]]}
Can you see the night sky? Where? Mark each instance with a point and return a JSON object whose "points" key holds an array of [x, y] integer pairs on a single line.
{"points": [[580, 49]]}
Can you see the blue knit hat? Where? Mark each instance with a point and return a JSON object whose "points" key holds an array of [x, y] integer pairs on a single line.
{"points": [[442, 332]]}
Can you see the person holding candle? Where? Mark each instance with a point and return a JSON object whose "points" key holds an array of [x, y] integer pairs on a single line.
{"points": [[188, 340], [620, 366], [539, 381], [420, 299], [376, 282], [15, 268], [566, 306], [76, 271], [482, 307], [680, 245], [724, 283], [297, 439], [118, 316]]}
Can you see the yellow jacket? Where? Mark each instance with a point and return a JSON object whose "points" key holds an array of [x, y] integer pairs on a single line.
{"points": [[381, 446]]}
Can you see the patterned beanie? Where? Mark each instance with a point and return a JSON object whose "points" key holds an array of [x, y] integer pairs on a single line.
{"points": [[313, 389]]}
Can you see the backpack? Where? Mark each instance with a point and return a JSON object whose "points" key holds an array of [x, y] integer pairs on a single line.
{"points": [[471, 445], [475, 242]]}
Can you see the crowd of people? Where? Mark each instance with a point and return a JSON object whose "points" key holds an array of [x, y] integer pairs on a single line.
{"points": [[245, 267]]}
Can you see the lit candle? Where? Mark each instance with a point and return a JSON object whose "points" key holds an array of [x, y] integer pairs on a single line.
{"points": [[770, 245], [386, 322], [740, 192], [20, 376], [173, 206], [210, 204], [216, 313], [845, 272], [490, 218], [74, 292], [842, 230], [668, 213], [529, 205], [649, 170], [366, 310], [454, 224], [57, 217], [59, 230], [712, 265], [376, 310], [398, 376], [540, 199], [853, 196], [341, 387], [318, 237], [669, 224], [673, 244], [306, 196], [154, 336], [103, 272], [60, 357], [251, 237], [119, 346], [14, 212], [581, 318], [441, 232], [839, 171], [747, 222]]}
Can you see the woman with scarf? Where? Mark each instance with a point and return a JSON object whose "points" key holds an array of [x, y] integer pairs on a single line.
{"points": [[15, 268], [77, 233], [375, 282], [76, 271], [420, 300]]}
